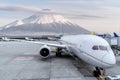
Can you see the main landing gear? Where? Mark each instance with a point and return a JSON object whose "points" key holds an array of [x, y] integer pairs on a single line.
{"points": [[58, 52], [99, 71]]}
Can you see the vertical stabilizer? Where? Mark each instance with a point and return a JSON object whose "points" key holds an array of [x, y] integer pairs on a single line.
{"points": [[115, 34]]}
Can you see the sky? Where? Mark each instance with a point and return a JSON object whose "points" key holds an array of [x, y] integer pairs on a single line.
{"points": [[101, 16]]}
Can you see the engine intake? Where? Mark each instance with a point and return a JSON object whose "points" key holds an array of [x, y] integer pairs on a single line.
{"points": [[44, 51]]}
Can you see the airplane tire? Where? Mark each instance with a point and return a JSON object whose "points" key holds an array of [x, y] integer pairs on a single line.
{"points": [[95, 73], [58, 54]]}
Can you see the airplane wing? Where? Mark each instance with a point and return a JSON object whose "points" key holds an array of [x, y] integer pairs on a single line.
{"points": [[51, 44], [26, 39], [45, 49], [48, 44]]}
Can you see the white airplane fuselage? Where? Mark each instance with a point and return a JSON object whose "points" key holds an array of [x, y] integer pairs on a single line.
{"points": [[82, 47], [91, 49]]}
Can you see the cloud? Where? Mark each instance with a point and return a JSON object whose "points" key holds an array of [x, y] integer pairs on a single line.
{"points": [[19, 8], [85, 16], [45, 11], [28, 9]]}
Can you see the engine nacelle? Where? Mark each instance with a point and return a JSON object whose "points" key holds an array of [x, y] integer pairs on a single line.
{"points": [[45, 51]]}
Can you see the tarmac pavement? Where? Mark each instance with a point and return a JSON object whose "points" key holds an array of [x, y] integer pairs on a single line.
{"points": [[31, 67]]}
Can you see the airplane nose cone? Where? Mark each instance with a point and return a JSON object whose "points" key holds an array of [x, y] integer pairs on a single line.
{"points": [[108, 61]]}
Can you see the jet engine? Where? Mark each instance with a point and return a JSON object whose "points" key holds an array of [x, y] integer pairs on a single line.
{"points": [[44, 51]]}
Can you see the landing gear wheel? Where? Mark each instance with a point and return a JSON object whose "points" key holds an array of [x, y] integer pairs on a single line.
{"points": [[97, 72], [58, 52]]}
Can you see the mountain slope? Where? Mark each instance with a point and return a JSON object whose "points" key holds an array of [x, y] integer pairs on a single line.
{"points": [[42, 25]]}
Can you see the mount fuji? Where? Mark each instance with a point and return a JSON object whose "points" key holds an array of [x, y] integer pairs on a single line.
{"points": [[42, 24]]}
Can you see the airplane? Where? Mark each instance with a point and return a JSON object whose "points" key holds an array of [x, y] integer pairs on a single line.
{"points": [[5, 39], [92, 49]]}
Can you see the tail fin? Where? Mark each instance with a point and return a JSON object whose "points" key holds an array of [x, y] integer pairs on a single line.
{"points": [[115, 34]]}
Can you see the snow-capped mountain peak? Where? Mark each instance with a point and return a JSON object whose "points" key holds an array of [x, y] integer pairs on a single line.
{"points": [[40, 19], [46, 19], [42, 23]]}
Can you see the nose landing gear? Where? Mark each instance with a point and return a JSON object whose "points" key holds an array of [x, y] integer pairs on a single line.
{"points": [[98, 72]]}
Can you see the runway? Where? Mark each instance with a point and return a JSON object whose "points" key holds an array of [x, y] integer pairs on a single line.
{"points": [[32, 67], [116, 69]]}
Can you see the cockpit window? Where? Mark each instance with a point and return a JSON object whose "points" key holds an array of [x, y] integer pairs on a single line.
{"points": [[102, 47], [99, 47], [95, 47]]}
